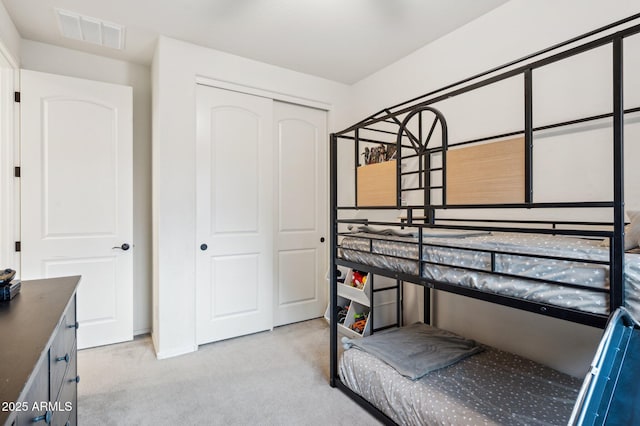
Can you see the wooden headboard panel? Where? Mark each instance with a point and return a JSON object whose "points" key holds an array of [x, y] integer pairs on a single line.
{"points": [[491, 173], [377, 184]]}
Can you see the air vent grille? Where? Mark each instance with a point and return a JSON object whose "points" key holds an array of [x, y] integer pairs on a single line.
{"points": [[90, 30]]}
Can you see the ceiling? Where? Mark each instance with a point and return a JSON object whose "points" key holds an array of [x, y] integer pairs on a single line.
{"points": [[341, 40]]}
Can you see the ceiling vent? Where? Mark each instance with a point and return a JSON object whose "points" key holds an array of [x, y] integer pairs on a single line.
{"points": [[91, 30]]}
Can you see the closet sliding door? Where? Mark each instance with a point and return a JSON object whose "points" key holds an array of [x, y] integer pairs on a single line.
{"points": [[301, 213], [261, 190], [234, 214]]}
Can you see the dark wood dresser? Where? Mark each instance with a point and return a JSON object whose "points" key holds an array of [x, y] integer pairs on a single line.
{"points": [[38, 366]]}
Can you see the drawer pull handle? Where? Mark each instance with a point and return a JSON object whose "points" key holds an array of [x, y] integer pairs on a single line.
{"points": [[46, 417], [65, 358], [76, 325], [77, 379]]}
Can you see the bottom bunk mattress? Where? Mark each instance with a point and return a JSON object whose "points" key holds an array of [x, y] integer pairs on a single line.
{"points": [[491, 387]]}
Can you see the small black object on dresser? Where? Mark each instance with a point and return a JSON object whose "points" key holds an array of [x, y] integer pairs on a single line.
{"points": [[6, 275], [10, 290], [8, 287]]}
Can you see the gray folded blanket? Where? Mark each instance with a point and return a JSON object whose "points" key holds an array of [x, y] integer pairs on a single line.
{"points": [[383, 231], [417, 349]]}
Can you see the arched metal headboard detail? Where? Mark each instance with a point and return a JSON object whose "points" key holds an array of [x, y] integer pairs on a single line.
{"points": [[420, 143]]}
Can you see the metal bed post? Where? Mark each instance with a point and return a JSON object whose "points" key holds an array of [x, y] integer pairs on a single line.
{"points": [[333, 289], [356, 156], [427, 186], [616, 297], [421, 169], [399, 174], [427, 304], [445, 148], [528, 136], [372, 292], [399, 301]]}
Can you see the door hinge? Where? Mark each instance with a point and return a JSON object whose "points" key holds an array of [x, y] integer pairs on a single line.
{"points": [[18, 246], [16, 96], [16, 171]]}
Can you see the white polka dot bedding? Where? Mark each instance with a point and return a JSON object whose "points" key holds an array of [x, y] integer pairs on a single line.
{"points": [[525, 260], [491, 387]]}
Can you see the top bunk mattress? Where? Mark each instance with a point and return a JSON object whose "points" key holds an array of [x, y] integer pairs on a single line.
{"points": [[472, 259]]}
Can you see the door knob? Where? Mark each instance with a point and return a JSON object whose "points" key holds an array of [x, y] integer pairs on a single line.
{"points": [[124, 247], [322, 239], [203, 247]]}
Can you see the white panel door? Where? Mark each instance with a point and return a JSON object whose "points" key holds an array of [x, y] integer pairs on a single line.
{"points": [[76, 192], [301, 213], [234, 214]]}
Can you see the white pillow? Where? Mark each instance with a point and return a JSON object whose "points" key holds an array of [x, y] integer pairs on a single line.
{"points": [[631, 231]]}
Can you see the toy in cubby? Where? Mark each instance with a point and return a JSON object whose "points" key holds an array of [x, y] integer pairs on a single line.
{"points": [[359, 322], [358, 279], [342, 313]]}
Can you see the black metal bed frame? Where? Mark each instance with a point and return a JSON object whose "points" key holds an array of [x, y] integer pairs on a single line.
{"points": [[399, 115]]}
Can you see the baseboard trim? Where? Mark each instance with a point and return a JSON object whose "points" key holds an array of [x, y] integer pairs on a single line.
{"points": [[141, 331], [172, 352]]}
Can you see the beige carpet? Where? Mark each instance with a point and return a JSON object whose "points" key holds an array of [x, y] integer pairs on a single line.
{"points": [[270, 378]]}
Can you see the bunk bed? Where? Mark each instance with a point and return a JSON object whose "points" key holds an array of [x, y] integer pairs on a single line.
{"points": [[461, 216]]}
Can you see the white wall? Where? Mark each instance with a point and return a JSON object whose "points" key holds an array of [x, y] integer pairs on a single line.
{"points": [[511, 31], [9, 36], [56, 60], [175, 69]]}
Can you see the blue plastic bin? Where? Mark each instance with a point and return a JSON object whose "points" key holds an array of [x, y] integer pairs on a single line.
{"points": [[610, 394]]}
